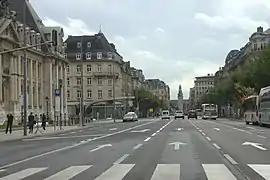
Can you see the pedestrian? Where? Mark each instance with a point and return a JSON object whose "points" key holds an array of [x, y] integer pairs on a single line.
{"points": [[43, 118], [9, 123], [31, 121]]}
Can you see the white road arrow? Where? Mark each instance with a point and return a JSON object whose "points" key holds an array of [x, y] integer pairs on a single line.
{"points": [[180, 129], [144, 130], [217, 129], [256, 145], [177, 145], [100, 147]]}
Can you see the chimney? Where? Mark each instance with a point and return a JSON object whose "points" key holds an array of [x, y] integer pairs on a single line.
{"points": [[260, 29]]}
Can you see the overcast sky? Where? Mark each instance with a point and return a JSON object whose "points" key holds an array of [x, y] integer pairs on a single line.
{"points": [[172, 40]]}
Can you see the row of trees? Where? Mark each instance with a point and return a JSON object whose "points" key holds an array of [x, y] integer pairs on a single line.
{"points": [[242, 82]]}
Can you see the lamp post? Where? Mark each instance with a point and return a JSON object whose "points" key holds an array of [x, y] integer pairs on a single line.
{"points": [[47, 106]]}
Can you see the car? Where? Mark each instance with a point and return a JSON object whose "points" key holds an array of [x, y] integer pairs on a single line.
{"points": [[179, 114], [165, 114], [130, 116], [192, 114]]}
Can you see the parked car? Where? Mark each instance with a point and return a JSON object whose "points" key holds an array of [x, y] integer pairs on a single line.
{"points": [[165, 114], [179, 114], [130, 116], [192, 114]]}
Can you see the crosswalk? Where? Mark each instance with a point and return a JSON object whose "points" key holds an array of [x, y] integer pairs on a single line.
{"points": [[119, 171]]}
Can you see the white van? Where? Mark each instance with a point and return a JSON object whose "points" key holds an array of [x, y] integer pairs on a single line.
{"points": [[165, 114]]}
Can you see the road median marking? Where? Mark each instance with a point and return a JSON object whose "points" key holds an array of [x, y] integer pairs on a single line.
{"points": [[154, 134], [216, 146], [121, 159], [229, 158], [137, 146], [147, 139], [208, 138], [72, 146]]}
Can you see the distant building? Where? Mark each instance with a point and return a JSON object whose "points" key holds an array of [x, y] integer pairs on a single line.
{"points": [[180, 98], [185, 105], [191, 100], [202, 85]]}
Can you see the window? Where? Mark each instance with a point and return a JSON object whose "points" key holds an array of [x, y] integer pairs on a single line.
{"points": [[109, 68], [109, 81], [89, 81], [79, 44], [89, 94], [79, 81], [65, 55], [109, 93], [68, 94], [78, 69], [255, 47], [99, 69], [99, 94], [79, 94], [68, 81], [99, 55], [78, 56], [99, 81], [88, 68], [109, 55], [89, 44], [67, 68], [88, 55]]}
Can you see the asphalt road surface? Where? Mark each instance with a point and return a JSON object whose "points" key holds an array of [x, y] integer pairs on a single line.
{"points": [[150, 149]]}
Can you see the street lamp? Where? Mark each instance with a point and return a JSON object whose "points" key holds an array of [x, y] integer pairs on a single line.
{"points": [[47, 106]]}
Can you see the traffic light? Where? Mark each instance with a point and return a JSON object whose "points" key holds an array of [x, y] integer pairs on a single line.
{"points": [[54, 37]]}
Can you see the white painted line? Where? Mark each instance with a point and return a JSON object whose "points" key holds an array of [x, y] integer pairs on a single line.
{"points": [[158, 131], [154, 134], [72, 146], [147, 139], [248, 132], [68, 173], [262, 169], [208, 138], [113, 129], [216, 146], [121, 159], [137, 146], [80, 130], [203, 133], [166, 171], [262, 136], [23, 174], [230, 159], [200, 130], [72, 132], [218, 171], [2, 170], [61, 137], [251, 127], [116, 172]]}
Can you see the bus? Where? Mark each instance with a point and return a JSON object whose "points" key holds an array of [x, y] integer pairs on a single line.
{"points": [[209, 111], [264, 106], [250, 107]]}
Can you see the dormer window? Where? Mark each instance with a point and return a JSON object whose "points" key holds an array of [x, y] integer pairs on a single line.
{"points": [[79, 44], [99, 55], [88, 55], [109, 55], [88, 44], [78, 56]]}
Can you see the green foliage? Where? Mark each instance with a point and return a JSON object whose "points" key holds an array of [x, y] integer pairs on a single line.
{"points": [[242, 82]]}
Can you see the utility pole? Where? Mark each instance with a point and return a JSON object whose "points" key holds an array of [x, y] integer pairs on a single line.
{"points": [[113, 83], [25, 74], [82, 88]]}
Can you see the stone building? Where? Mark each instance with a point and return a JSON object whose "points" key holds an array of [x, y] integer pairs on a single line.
{"points": [[202, 85], [45, 64]]}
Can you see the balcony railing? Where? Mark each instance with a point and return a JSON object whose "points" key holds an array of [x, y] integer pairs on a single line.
{"points": [[106, 74]]}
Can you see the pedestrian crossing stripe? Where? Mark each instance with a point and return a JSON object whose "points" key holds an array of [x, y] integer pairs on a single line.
{"points": [[119, 171]]}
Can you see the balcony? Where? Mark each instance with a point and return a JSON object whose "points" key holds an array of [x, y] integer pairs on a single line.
{"points": [[106, 74]]}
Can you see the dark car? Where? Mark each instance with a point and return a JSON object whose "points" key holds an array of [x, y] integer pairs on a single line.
{"points": [[192, 114]]}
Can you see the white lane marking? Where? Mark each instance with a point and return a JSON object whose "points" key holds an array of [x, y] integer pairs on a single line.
{"points": [[177, 145], [80, 130], [248, 132], [22, 174], [61, 137], [261, 169], [2, 170], [116, 172], [113, 129], [72, 146], [254, 144], [72, 132], [230, 159], [262, 136], [208, 138], [121, 159], [68, 173], [203, 134], [217, 129], [158, 131], [143, 130], [137, 146], [154, 134], [216, 146], [250, 127], [200, 130], [218, 171], [166, 171], [147, 139], [100, 147]]}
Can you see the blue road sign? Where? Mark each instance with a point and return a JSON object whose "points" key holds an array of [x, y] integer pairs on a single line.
{"points": [[57, 92]]}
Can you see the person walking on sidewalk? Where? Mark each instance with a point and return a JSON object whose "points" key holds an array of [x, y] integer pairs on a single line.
{"points": [[43, 118], [9, 123], [31, 121]]}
